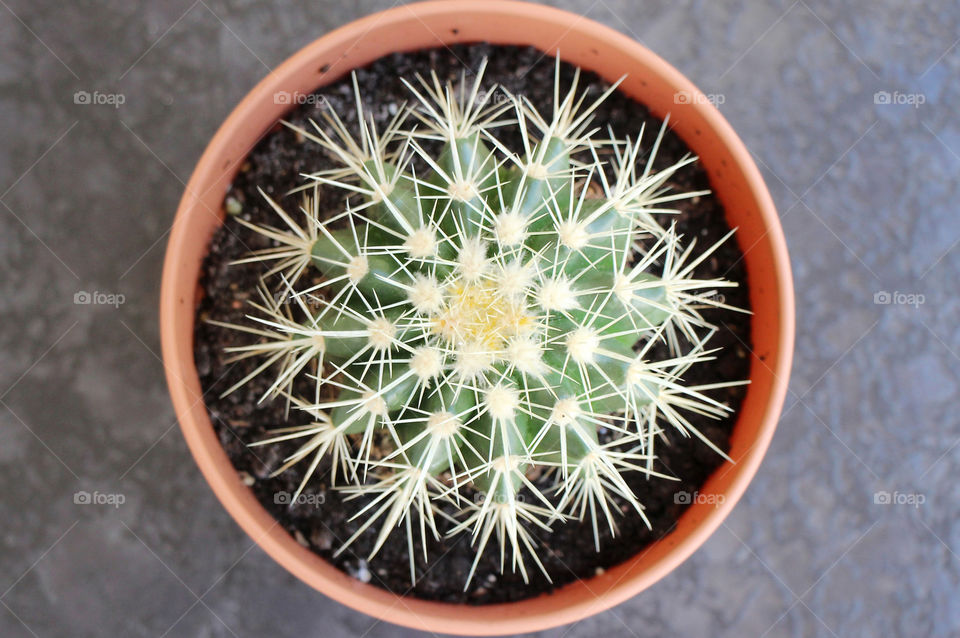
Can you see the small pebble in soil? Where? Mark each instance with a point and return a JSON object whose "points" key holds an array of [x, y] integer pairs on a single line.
{"points": [[298, 535], [362, 573], [233, 206], [322, 539]]}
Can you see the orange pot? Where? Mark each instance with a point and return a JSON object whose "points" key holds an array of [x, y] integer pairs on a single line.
{"points": [[733, 176]]}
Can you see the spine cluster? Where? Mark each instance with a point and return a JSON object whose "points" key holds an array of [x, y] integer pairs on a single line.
{"points": [[484, 311]]}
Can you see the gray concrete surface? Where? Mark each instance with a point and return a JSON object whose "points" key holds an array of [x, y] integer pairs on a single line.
{"points": [[868, 196]]}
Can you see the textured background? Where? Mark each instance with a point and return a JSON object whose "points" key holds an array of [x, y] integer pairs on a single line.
{"points": [[867, 193]]}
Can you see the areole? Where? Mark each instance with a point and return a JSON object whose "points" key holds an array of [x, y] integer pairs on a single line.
{"points": [[733, 177]]}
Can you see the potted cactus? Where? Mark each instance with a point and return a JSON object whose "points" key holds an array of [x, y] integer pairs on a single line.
{"points": [[476, 324], [479, 321]]}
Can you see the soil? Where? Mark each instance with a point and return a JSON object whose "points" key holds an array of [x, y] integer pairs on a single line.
{"points": [[321, 519]]}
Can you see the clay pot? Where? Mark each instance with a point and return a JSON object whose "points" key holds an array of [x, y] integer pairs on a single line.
{"points": [[733, 176]]}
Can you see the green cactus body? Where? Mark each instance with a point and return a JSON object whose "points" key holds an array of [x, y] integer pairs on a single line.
{"points": [[483, 315]]}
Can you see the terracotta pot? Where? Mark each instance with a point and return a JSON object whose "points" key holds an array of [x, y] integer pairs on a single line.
{"points": [[733, 176]]}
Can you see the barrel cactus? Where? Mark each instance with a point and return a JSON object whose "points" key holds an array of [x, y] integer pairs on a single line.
{"points": [[488, 317]]}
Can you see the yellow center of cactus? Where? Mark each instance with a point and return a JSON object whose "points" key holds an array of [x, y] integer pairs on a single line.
{"points": [[480, 314]]}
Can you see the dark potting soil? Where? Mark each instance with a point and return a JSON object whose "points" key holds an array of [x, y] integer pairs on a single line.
{"points": [[320, 520]]}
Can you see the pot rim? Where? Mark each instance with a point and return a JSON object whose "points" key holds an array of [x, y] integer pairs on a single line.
{"points": [[235, 138]]}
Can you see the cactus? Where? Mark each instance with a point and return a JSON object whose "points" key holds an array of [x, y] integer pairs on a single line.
{"points": [[484, 312]]}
